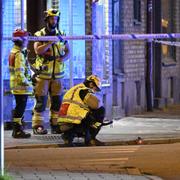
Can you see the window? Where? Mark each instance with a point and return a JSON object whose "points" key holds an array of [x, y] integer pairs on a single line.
{"points": [[72, 22], [12, 20], [137, 12], [78, 28], [138, 92], [118, 64], [168, 26]]}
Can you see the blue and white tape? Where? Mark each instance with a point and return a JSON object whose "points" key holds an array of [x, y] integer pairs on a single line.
{"points": [[169, 43], [102, 37]]}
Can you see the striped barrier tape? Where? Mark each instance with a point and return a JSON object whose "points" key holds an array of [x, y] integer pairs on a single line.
{"points": [[169, 43], [101, 37]]}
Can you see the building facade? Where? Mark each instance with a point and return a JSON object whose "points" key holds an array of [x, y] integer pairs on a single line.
{"points": [[127, 62], [137, 75]]}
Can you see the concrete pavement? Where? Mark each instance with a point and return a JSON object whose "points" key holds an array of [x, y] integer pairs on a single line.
{"points": [[124, 131]]}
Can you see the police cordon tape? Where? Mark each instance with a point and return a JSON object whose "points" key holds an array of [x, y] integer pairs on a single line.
{"points": [[101, 37], [169, 43]]}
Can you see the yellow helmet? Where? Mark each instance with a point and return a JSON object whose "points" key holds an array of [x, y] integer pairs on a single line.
{"points": [[52, 12], [96, 80]]}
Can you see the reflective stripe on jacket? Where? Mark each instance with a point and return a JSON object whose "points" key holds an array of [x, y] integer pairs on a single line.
{"points": [[73, 109], [48, 63], [19, 72]]}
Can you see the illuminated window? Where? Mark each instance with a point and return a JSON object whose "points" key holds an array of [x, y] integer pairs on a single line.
{"points": [[78, 28], [168, 26]]}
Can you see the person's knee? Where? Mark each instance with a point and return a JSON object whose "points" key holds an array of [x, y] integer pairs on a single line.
{"points": [[41, 103], [101, 111], [64, 127], [56, 102]]}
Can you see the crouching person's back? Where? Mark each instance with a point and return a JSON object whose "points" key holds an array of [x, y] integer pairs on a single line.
{"points": [[80, 114]]}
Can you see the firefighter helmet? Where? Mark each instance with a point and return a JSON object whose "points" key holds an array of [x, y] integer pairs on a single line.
{"points": [[20, 35], [96, 80], [52, 12]]}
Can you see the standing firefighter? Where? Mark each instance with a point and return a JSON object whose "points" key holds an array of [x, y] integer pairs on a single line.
{"points": [[80, 114], [20, 83], [50, 65]]}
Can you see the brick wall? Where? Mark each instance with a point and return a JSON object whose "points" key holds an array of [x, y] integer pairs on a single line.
{"points": [[134, 51], [134, 57], [170, 68], [127, 94]]}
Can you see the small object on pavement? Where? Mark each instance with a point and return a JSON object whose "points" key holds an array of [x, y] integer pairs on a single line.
{"points": [[139, 140]]}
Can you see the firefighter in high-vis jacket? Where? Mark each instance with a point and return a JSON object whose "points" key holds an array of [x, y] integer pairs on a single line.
{"points": [[20, 80], [80, 113], [50, 66]]}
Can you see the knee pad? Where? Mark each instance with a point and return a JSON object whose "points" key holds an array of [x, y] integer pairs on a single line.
{"points": [[101, 111], [41, 102], [99, 114], [56, 102]]}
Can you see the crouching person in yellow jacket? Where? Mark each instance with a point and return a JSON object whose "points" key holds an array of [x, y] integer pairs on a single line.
{"points": [[80, 114], [20, 83]]}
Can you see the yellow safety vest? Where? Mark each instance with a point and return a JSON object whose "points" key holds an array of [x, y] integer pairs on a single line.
{"points": [[19, 72], [73, 109], [48, 62]]}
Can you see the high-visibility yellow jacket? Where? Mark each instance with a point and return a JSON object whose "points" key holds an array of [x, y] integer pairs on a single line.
{"points": [[19, 72], [73, 109], [48, 63]]}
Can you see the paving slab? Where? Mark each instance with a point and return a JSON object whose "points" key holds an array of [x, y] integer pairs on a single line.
{"points": [[52, 175]]}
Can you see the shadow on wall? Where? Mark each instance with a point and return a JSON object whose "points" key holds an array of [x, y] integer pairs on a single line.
{"points": [[126, 106]]}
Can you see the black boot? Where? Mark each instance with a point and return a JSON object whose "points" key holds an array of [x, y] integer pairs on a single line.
{"points": [[95, 142], [55, 129], [68, 139], [18, 131]]}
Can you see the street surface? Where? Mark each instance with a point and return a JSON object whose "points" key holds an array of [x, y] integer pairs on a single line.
{"points": [[43, 157], [161, 160]]}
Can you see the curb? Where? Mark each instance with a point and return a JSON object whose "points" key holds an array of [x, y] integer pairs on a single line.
{"points": [[144, 142], [112, 143]]}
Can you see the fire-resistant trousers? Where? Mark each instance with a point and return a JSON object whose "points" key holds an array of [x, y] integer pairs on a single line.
{"points": [[43, 89]]}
